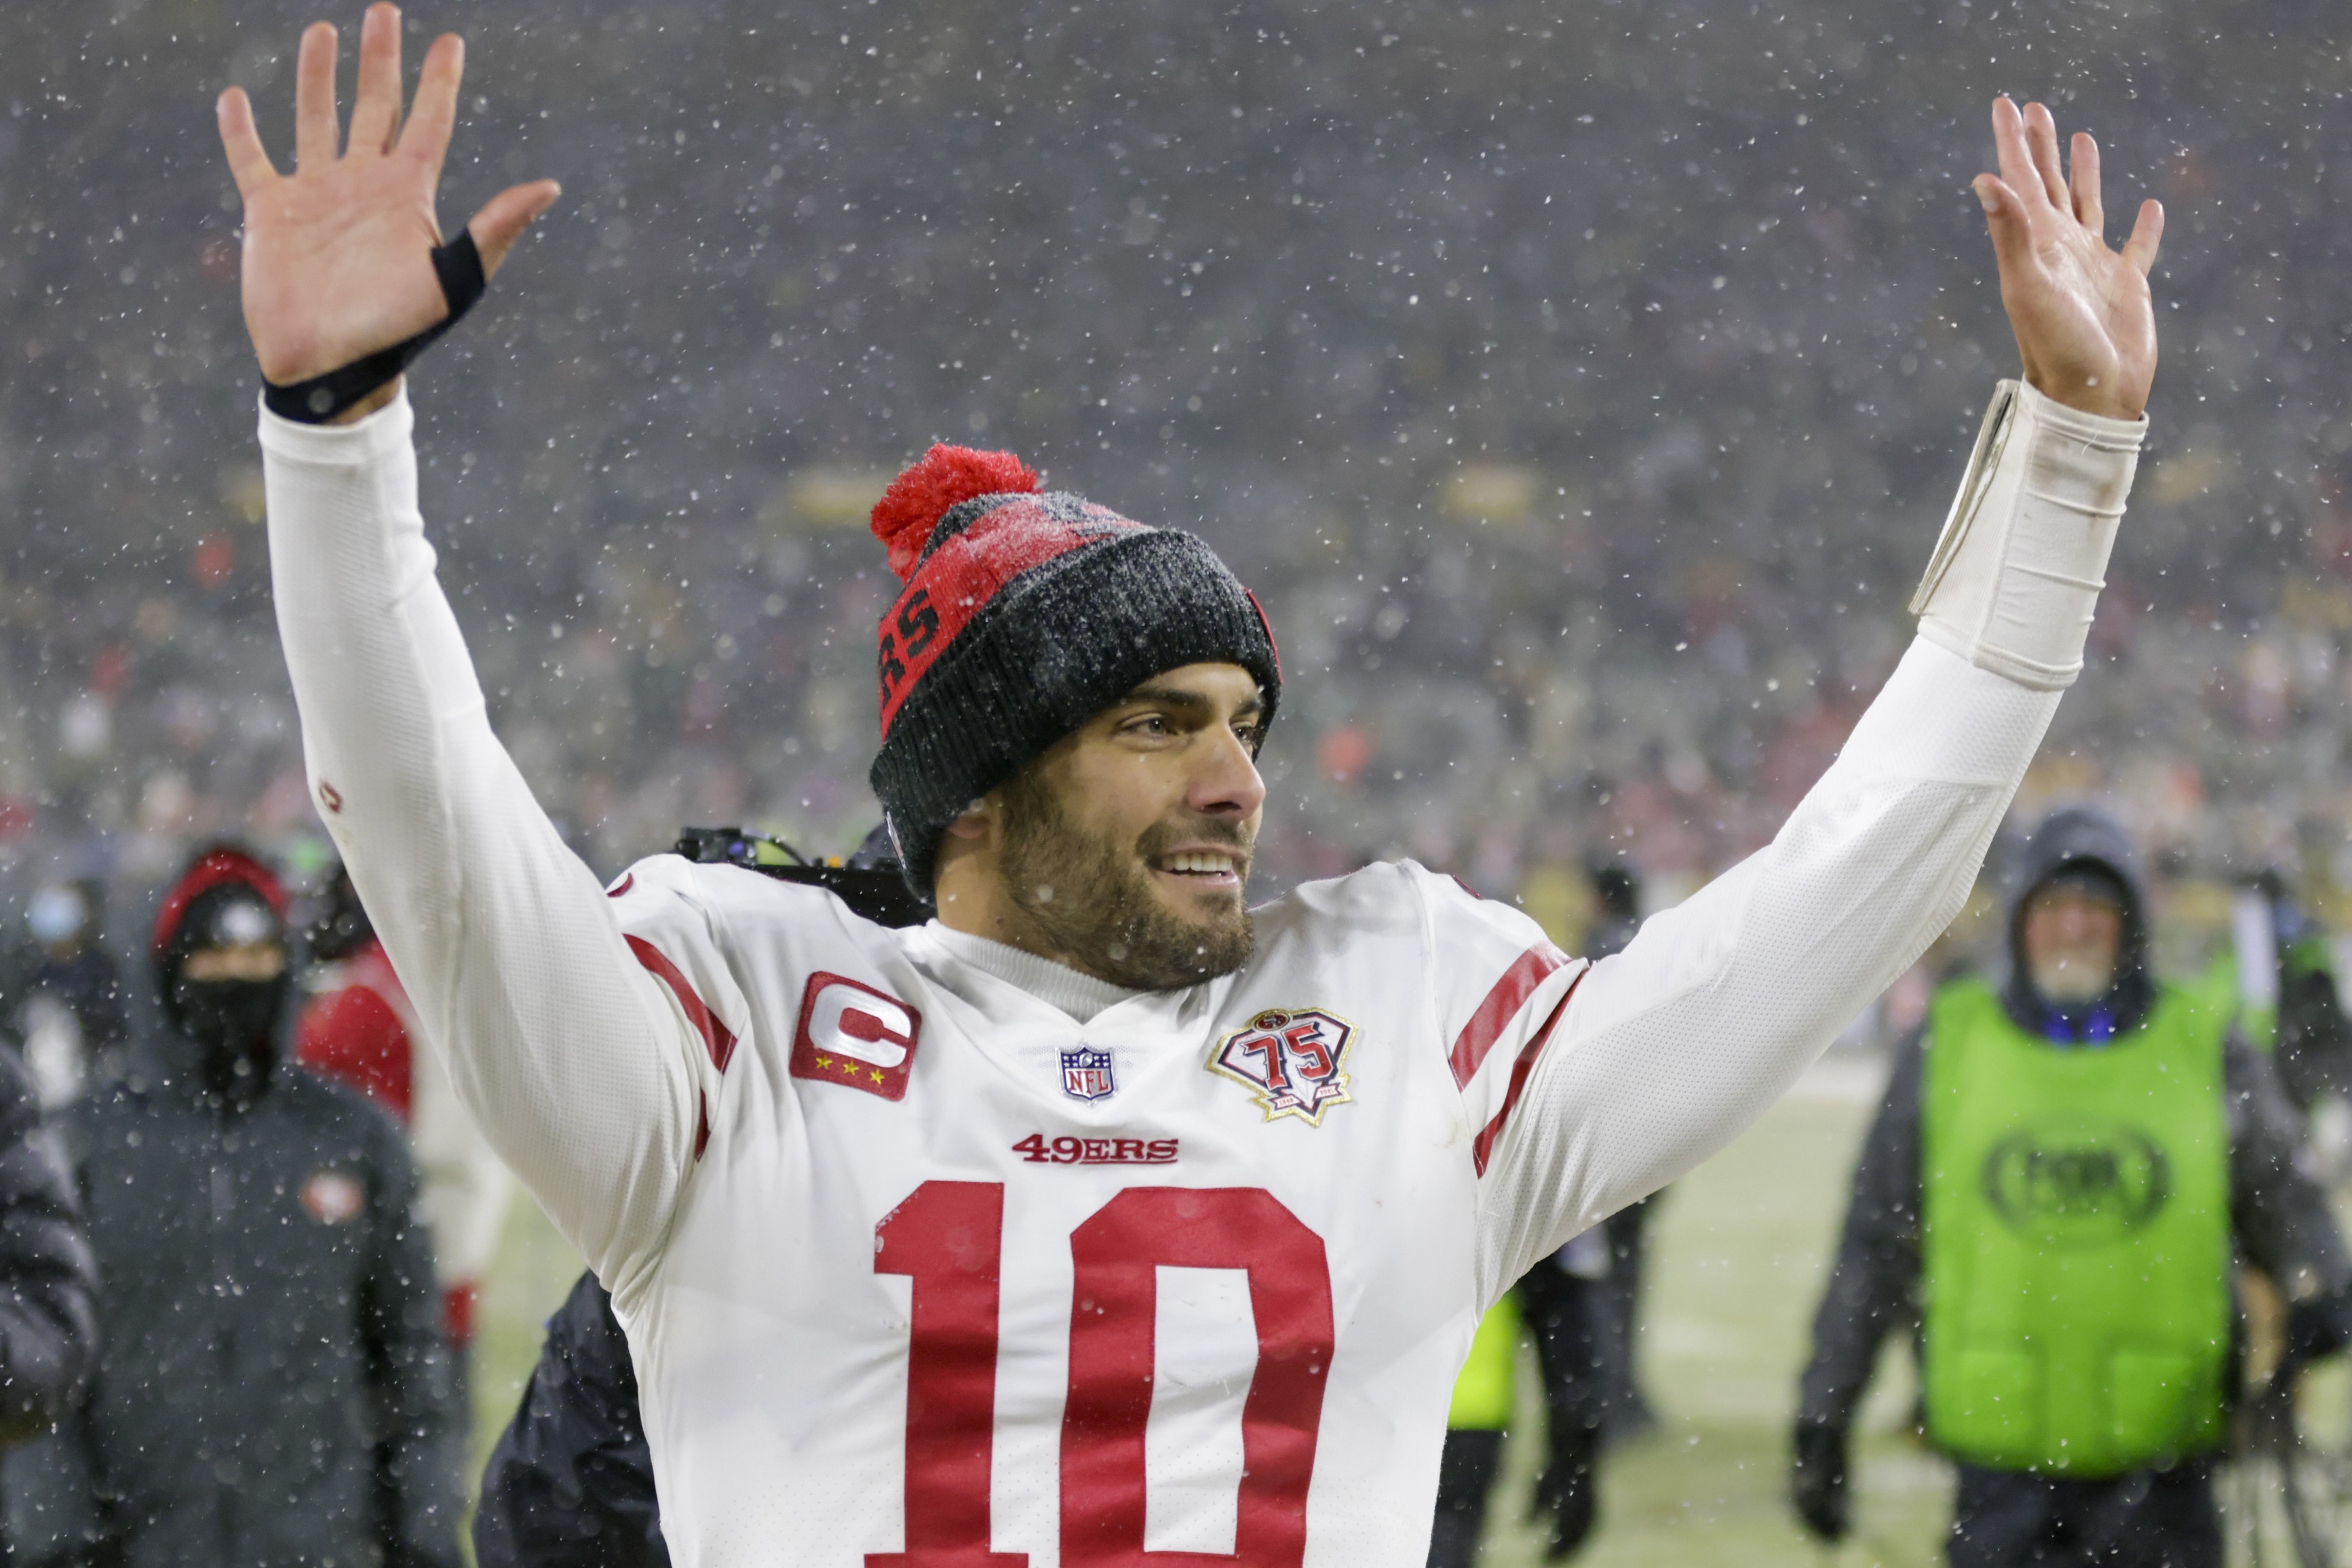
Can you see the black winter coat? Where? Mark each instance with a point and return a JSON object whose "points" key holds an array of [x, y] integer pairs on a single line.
{"points": [[571, 1484], [49, 1317], [275, 1390], [87, 984]]}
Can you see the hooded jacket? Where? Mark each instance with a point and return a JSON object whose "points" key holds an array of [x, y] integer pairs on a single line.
{"points": [[2078, 841], [2280, 1221], [274, 1387]]}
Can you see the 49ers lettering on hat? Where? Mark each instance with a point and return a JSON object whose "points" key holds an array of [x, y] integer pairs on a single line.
{"points": [[855, 1036]]}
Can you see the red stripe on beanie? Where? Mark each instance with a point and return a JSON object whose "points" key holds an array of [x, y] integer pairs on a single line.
{"points": [[1266, 626], [964, 573], [219, 864]]}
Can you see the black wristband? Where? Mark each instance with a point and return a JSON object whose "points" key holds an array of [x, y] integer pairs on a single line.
{"points": [[459, 266]]}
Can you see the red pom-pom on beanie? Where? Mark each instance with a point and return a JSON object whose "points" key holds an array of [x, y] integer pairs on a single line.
{"points": [[945, 477]]}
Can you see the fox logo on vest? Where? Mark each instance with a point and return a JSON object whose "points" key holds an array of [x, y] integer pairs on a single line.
{"points": [[855, 1036], [1293, 1058], [2078, 1183]]}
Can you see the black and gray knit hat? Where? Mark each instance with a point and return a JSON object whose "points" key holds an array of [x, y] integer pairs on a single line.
{"points": [[1025, 614]]}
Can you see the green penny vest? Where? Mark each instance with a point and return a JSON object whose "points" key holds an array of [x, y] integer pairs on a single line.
{"points": [[2076, 1237], [1483, 1393], [2259, 1025]]}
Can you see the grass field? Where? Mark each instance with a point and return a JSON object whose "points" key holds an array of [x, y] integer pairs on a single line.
{"points": [[1741, 1251]]}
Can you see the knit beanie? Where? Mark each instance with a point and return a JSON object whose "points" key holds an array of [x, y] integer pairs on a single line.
{"points": [[227, 898], [1024, 613]]}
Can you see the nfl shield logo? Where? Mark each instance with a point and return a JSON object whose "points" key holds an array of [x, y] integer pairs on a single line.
{"points": [[1086, 1074]]}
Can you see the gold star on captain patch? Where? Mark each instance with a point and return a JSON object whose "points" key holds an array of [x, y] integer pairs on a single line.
{"points": [[849, 1069], [824, 1061], [878, 1075]]}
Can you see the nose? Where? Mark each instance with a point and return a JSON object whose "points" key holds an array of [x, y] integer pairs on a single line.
{"points": [[2079, 926], [1224, 781]]}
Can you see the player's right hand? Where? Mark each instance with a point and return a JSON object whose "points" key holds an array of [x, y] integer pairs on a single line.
{"points": [[2085, 324], [337, 255]]}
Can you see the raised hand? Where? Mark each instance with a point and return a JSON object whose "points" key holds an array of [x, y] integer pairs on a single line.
{"points": [[2084, 323], [337, 255]]}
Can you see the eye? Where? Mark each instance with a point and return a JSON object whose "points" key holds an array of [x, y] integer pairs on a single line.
{"points": [[1150, 724]]}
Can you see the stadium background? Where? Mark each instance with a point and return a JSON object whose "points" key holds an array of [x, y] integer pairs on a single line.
{"points": [[1579, 386]]}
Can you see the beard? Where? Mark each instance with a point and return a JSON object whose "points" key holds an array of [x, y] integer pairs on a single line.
{"points": [[1092, 902]]}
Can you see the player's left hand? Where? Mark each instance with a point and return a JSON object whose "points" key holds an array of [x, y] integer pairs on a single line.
{"points": [[2085, 325]]}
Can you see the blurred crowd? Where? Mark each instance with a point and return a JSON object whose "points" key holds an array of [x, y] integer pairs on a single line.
{"points": [[1581, 393]]}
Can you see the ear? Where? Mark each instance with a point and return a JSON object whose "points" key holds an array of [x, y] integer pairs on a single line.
{"points": [[977, 822]]}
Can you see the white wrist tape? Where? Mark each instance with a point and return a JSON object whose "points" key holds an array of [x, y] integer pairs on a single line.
{"points": [[2017, 572]]}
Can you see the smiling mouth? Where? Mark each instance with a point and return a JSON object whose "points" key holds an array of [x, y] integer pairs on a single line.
{"points": [[1204, 869]]}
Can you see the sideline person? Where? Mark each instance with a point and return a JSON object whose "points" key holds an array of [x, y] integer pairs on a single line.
{"points": [[570, 1483], [61, 996], [272, 1388], [48, 1281], [49, 1314], [2278, 972], [359, 1029], [1580, 1306], [2056, 1184], [1485, 1396], [906, 1226]]}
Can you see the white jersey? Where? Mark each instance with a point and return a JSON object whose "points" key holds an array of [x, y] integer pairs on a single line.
{"points": [[931, 1253], [1193, 1274]]}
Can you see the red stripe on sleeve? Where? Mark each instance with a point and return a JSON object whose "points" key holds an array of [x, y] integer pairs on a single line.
{"points": [[1490, 1134], [1501, 1006], [716, 1038]]}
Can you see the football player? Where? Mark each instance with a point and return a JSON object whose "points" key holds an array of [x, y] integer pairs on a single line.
{"points": [[1101, 1215]]}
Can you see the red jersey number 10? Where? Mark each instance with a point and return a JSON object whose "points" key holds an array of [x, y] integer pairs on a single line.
{"points": [[949, 1238]]}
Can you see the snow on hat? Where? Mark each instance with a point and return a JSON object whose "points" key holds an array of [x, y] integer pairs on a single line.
{"points": [[1024, 613]]}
